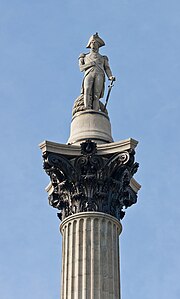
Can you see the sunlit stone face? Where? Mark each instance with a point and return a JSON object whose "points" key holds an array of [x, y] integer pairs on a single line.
{"points": [[94, 45]]}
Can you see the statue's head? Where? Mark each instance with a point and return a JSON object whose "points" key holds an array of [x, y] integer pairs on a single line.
{"points": [[95, 41]]}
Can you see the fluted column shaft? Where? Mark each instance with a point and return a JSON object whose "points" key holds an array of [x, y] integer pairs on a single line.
{"points": [[90, 256]]}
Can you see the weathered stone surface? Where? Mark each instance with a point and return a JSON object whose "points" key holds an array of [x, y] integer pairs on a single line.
{"points": [[94, 66], [90, 258], [79, 106], [91, 182], [75, 150], [92, 125]]}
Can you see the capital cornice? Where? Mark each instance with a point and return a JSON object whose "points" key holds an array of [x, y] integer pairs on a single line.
{"points": [[75, 150]]}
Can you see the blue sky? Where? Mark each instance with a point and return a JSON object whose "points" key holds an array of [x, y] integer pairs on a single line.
{"points": [[40, 79]]}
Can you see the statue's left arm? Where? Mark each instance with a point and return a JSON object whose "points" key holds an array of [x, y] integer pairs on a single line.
{"points": [[107, 69]]}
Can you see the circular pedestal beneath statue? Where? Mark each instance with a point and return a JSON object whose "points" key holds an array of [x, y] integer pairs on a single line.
{"points": [[90, 124]]}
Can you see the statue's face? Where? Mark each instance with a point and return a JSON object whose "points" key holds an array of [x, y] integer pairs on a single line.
{"points": [[94, 45]]}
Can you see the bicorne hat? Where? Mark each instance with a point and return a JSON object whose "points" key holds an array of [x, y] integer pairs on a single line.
{"points": [[97, 38]]}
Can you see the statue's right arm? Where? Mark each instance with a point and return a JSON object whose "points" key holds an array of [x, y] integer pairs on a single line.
{"points": [[82, 65]]}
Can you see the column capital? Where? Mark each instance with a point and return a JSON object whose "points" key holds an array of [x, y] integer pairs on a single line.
{"points": [[91, 181]]}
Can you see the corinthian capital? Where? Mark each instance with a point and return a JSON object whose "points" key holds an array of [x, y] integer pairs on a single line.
{"points": [[91, 181]]}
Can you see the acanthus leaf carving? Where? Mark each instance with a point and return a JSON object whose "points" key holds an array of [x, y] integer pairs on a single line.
{"points": [[91, 182]]}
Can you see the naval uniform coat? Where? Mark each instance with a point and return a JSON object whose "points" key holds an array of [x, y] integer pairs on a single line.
{"points": [[94, 63]]}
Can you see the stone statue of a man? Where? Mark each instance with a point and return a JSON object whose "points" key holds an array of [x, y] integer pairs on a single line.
{"points": [[94, 66]]}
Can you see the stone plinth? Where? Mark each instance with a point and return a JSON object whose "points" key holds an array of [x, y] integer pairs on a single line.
{"points": [[90, 258], [90, 124]]}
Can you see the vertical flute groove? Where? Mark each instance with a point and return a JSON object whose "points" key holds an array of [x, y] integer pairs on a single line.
{"points": [[66, 263], [73, 258], [80, 283], [63, 261], [109, 226], [88, 258], [76, 256], [92, 259], [84, 260], [114, 258], [90, 263], [118, 266], [69, 284], [100, 257]]}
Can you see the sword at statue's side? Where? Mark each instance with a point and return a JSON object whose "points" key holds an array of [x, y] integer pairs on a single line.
{"points": [[109, 91]]}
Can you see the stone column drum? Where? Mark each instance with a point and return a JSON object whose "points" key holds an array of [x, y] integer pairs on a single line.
{"points": [[90, 257], [91, 185]]}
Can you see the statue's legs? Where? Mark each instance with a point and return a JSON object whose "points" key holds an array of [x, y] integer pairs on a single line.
{"points": [[88, 86], [98, 90]]}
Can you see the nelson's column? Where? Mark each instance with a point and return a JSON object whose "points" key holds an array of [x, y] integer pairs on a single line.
{"points": [[91, 184]]}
